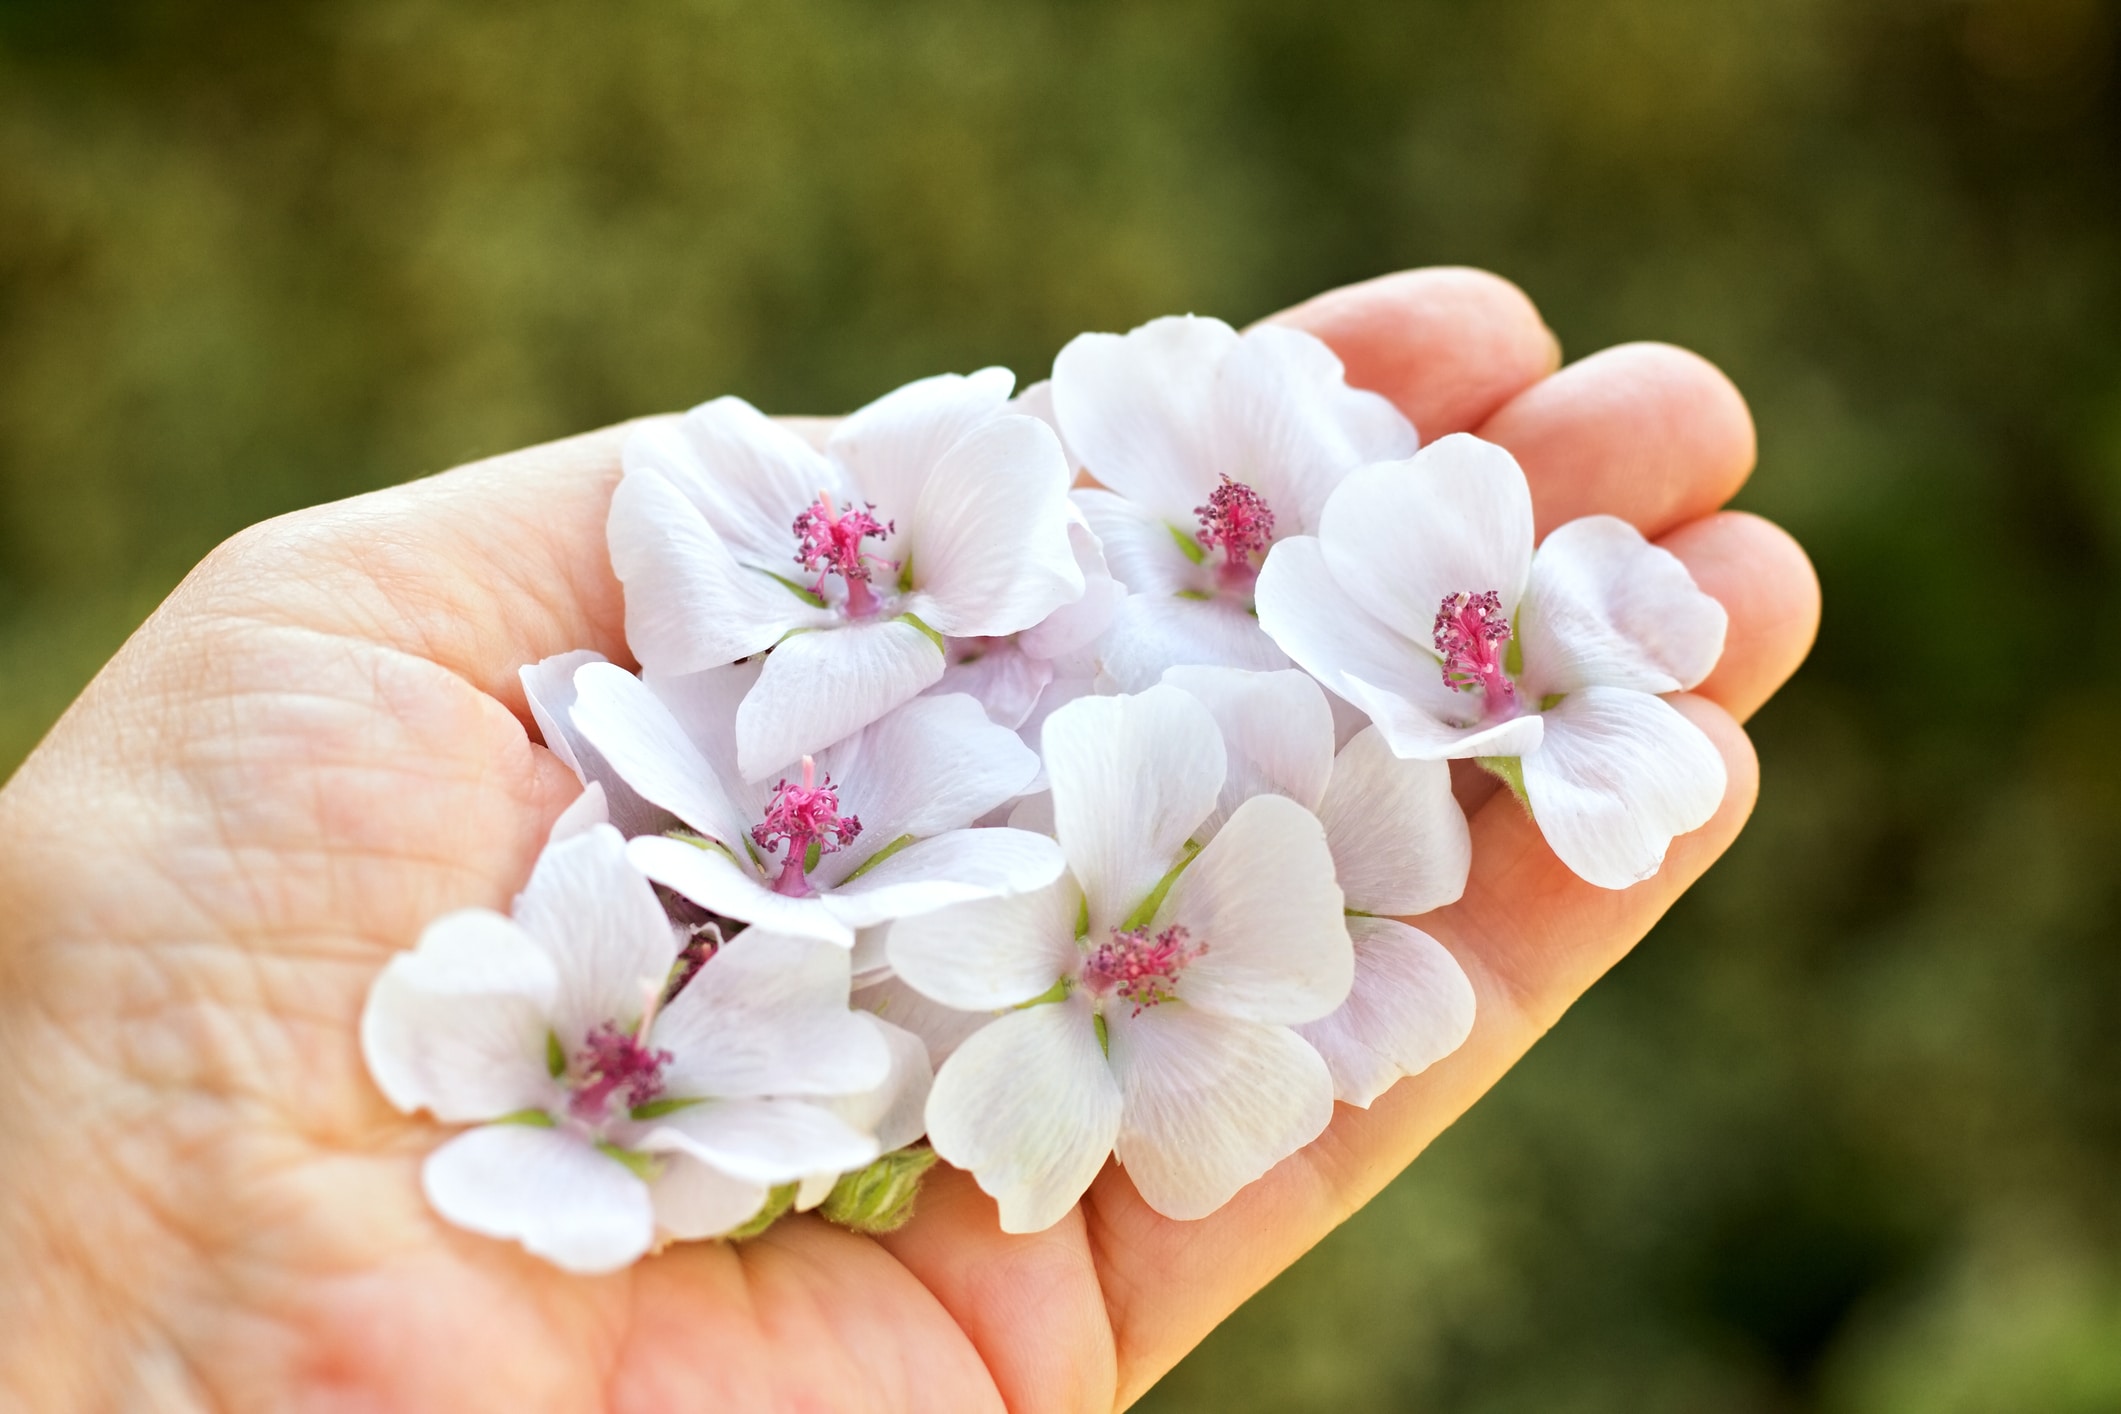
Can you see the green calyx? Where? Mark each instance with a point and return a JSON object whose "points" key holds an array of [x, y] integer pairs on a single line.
{"points": [[555, 1056], [530, 1119], [809, 596], [880, 1198], [1104, 1033], [1058, 992], [1510, 771], [1187, 545], [1140, 917], [643, 1166], [877, 858], [933, 637], [779, 1201]]}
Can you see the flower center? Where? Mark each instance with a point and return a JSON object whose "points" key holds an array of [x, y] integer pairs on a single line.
{"points": [[1238, 521], [806, 818], [1471, 634], [830, 543], [1139, 968], [614, 1062]]}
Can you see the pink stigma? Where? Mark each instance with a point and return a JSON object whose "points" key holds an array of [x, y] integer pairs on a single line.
{"points": [[1140, 969], [804, 817], [1470, 634], [614, 1061], [830, 543], [1237, 520]]}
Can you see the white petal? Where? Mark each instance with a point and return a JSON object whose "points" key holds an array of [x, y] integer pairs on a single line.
{"points": [[716, 882], [1000, 676], [589, 808], [762, 1141], [1293, 428], [895, 1108], [1037, 401], [632, 729], [1618, 775], [597, 918], [690, 603], [1262, 897], [1456, 518], [1073, 628], [1606, 608], [748, 475], [819, 687], [581, 1210], [1143, 551], [941, 1029], [890, 447], [1028, 1105], [767, 1015], [1140, 410], [989, 954], [989, 536], [1410, 1007], [1152, 633], [1276, 729], [1400, 842], [1211, 1104], [955, 867], [694, 1200], [1132, 778], [457, 1026], [937, 763]]}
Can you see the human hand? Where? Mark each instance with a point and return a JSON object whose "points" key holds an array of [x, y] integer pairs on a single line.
{"points": [[319, 743]]}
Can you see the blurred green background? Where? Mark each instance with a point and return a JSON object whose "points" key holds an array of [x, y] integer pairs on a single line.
{"points": [[1846, 1133]]}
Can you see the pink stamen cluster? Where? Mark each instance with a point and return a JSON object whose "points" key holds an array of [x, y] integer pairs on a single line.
{"points": [[1237, 520], [1141, 969], [612, 1061], [802, 817], [1470, 634], [829, 542]]}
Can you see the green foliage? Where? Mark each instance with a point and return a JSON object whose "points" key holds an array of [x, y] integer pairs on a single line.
{"points": [[1843, 1135]]}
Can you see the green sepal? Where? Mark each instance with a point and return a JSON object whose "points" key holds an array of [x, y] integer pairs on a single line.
{"points": [[809, 596], [779, 1201], [1082, 918], [1552, 700], [698, 841], [880, 1197], [875, 859], [1513, 651], [1191, 548], [933, 637], [656, 1109], [555, 1055], [1058, 992], [905, 574], [529, 1119], [812, 853], [1140, 917], [1510, 771], [1199, 594], [643, 1166], [1104, 1033]]}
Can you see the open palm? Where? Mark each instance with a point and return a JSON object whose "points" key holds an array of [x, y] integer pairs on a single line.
{"points": [[318, 744]]}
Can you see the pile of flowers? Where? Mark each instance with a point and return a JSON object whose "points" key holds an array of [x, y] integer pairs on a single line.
{"points": [[1026, 783]]}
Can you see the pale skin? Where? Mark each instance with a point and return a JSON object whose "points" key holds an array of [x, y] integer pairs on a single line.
{"points": [[318, 743]]}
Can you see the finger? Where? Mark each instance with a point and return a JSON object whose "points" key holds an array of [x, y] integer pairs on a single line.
{"points": [[1766, 583], [1447, 346], [1647, 432], [1532, 937]]}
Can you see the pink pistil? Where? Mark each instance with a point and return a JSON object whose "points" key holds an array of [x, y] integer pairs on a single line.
{"points": [[1237, 520], [830, 543], [1470, 634], [612, 1061], [1140, 969], [804, 817]]}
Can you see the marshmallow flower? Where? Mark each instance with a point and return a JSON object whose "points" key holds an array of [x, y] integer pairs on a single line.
{"points": [[1212, 446], [869, 829], [1421, 601], [611, 1112], [932, 513], [1400, 847], [1148, 995]]}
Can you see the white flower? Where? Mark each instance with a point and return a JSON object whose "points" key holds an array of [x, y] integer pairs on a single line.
{"points": [[1212, 446], [869, 829], [932, 513], [609, 1115], [1400, 847], [1421, 601], [1150, 990], [893, 1109]]}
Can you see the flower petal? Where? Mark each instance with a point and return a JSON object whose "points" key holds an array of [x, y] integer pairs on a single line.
{"points": [[890, 447], [991, 953], [768, 1015], [1000, 676], [957, 866], [989, 537], [457, 1026], [1152, 633], [690, 603], [1142, 550], [1411, 1006], [1073, 628], [747, 475], [819, 687], [599, 921], [941, 1029], [1212, 1103], [937, 763], [1140, 410], [1028, 1105], [1263, 899], [1400, 842], [716, 882], [694, 1200], [1132, 778], [1455, 518], [1607, 608], [895, 1108], [631, 728], [1617, 776], [762, 1141], [1277, 731], [578, 1209]]}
